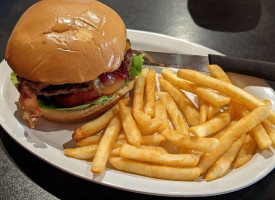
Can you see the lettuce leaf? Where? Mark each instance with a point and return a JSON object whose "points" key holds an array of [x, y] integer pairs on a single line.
{"points": [[136, 67], [14, 79]]}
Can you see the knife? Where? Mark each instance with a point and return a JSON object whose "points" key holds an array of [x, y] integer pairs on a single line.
{"points": [[256, 68]]}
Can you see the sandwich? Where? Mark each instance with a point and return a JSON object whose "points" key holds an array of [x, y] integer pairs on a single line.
{"points": [[71, 60]]}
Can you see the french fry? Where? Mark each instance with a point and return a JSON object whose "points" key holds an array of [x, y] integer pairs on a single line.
{"points": [[158, 157], [152, 140], [267, 102], [121, 135], [147, 126], [156, 148], [259, 133], [223, 163], [189, 142], [218, 73], [221, 132], [189, 110], [171, 76], [261, 137], [161, 113], [232, 91], [115, 151], [212, 111], [97, 124], [269, 129], [246, 152], [83, 153], [210, 96], [216, 98], [155, 171], [175, 115], [183, 150], [150, 93], [215, 124], [120, 142], [130, 127], [203, 111], [244, 125], [105, 146], [93, 139], [139, 91]]}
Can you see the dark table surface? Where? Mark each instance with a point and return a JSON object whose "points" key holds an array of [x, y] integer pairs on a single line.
{"points": [[241, 28]]}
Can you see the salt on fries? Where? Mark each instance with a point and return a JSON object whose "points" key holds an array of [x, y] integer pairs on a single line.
{"points": [[166, 135]]}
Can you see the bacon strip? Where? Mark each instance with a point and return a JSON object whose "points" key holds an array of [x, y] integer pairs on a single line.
{"points": [[29, 105]]}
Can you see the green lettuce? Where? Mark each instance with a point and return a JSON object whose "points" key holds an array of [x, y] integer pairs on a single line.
{"points": [[136, 67], [49, 103], [14, 79]]}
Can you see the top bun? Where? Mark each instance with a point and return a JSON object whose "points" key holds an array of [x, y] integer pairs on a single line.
{"points": [[66, 41]]}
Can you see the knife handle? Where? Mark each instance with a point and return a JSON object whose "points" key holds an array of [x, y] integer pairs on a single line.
{"points": [[256, 68]]}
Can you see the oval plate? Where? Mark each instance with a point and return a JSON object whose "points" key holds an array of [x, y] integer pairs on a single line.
{"points": [[48, 139]]}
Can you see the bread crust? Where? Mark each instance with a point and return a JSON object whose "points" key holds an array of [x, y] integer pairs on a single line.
{"points": [[66, 41]]}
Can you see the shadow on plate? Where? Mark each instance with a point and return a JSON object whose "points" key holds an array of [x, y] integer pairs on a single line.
{"points": [[225, 15]]}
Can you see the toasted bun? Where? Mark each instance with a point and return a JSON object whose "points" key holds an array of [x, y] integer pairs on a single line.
{"points": [[73, 116], [66, 41]]}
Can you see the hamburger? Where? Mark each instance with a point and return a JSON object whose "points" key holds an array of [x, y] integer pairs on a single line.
{"points": [[71, 60]]}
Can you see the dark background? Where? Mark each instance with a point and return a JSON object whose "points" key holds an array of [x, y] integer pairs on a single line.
{"points": [[240, 28]]}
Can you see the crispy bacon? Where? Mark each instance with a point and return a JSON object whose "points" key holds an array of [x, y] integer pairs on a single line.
{"points": [[29, 105]]}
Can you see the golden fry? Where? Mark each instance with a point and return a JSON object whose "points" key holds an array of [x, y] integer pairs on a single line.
{"points": [[269, 129], [147, 126], [139, 91], [221, 132], [156, 148], [105, 145], [84, 153], [130, 127], [212, 111], [97, 124], [161, 113], [93, 139], [189, 142], [150, 93], [152, 140], [218, 73], [176, 117], [261, 137], [203, 110], [155, 171], [158, 157], [215, 124], [246, 152], [212, 96], [189, 110], [223, 163]]}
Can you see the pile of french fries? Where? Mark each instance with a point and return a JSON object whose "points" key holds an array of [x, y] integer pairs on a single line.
{"points": [[166, 135]]}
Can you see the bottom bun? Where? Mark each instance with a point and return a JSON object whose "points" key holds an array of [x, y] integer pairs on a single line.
{"points": [[74, 116]]}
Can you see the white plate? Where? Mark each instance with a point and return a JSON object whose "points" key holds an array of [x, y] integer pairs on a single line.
{"points": [[47, 140]]}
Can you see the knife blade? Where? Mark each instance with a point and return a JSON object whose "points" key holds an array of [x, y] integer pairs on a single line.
{"points": [[255, 68]]}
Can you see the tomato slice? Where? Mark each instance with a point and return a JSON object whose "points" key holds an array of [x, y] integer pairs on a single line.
{"points": [[76, 99]]}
